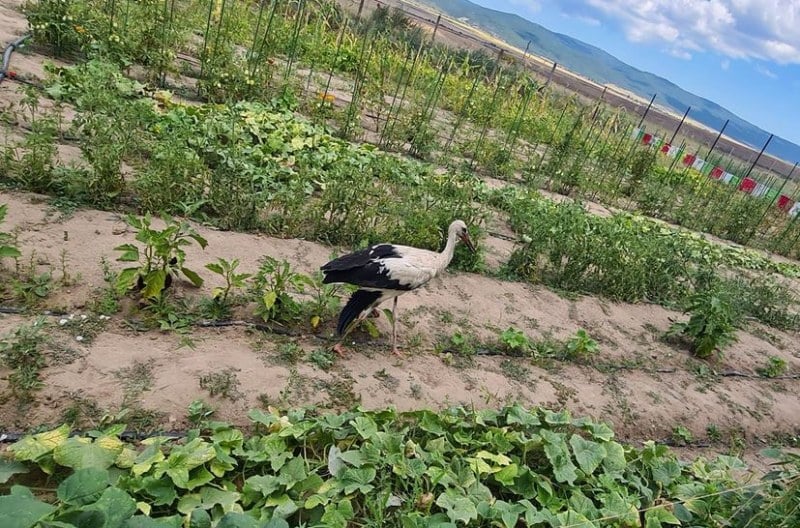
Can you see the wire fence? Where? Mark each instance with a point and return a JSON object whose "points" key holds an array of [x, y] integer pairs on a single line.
{"points": [[390, 77]]}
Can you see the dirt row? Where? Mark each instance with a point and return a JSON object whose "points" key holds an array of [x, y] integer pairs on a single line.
{"points": [[643, 386]]}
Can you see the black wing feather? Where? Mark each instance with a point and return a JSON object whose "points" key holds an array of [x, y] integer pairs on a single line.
{"points": [[360, 258], [360, 301], [363, 268]]}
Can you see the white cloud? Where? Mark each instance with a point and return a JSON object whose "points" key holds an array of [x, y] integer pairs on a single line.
{"points": [[737, 29], [766, 72], [680, 53]]}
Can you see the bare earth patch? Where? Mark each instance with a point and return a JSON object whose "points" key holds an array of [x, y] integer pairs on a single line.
{"points": [[643, 386]]}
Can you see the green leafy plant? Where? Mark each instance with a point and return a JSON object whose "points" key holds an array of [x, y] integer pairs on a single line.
{"points": [[8, 245], [681, 435], [272, 286], [514, 341], [776, 366], [711, 325], [32, 288], [199, 412], [161, 259], [580, 346], [491, 467], [21, 351], [227, 270]]}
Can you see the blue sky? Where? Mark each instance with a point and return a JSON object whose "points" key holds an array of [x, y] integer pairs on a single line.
{"points": [[741, 54]]}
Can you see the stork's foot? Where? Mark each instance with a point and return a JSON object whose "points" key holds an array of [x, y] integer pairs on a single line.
{"points": [[340, 350]]}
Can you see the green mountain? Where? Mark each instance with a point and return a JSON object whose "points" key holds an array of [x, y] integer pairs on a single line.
{"points": [[601, 67]]}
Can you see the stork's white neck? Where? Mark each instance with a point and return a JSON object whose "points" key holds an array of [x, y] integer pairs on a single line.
{"points": [[444, 258]]}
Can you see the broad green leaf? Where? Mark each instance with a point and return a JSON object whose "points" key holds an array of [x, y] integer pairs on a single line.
{"points": [[292, 472], [85, 486], [216, 268], [32, 448], [130, 253], [507, 475], [9, 468], [557, 453], [457, 506], [337, 514], [199, 518], [269, 299], [140, 521], [519, 415], [365, 426], [80, 453], [126, 280], [261, 486], [614, 505], [185, 458], [117, 505], [283, 504], [589, 454], [238, 520], [601, 431], [21, 510], [152, 454], [127, 458], [89, 518], [666, 472], [499, 459], [199, 476], [574, 519], [195, 279], [658, 517], [358, 479], [162, 490], [154, 284], [615, 457], [225, 499], [559, 418], [9, 252]]}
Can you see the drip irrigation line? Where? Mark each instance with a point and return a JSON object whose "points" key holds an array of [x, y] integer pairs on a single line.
{"points": [[7, 54], [10, 437]]}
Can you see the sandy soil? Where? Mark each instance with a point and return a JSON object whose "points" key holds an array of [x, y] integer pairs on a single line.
{"points": [[643, 386], [640, 384]]}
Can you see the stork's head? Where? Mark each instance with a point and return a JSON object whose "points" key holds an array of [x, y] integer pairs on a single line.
{"points": [[459, 228]]}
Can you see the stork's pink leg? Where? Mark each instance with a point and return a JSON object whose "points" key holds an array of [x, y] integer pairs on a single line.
{"points": [[395, 351]]}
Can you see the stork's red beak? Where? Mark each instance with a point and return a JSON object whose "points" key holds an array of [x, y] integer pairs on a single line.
{"points": [[468, 242]]}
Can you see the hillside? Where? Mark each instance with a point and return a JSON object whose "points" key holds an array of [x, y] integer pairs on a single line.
{"points": [[604, 68]]}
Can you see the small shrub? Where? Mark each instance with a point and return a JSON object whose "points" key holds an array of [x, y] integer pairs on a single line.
{"points": [[775, 367], [227, 270], [162, 258], [223, 383], [580, 346], [21, 351], [515, 342], [272, 287], [711, 326]]}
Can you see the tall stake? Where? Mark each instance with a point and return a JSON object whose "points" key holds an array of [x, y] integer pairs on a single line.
{"points": [[647, 110], [686, 113]]}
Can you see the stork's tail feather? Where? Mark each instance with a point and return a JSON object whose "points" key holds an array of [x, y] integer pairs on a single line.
{"points": [[360, 302]]}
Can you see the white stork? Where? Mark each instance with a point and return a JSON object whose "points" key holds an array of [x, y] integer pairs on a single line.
{"points": [[386, 271]]}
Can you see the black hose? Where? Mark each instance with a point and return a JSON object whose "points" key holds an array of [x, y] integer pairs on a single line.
{"points": [[7, 54], [127, 436]]}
